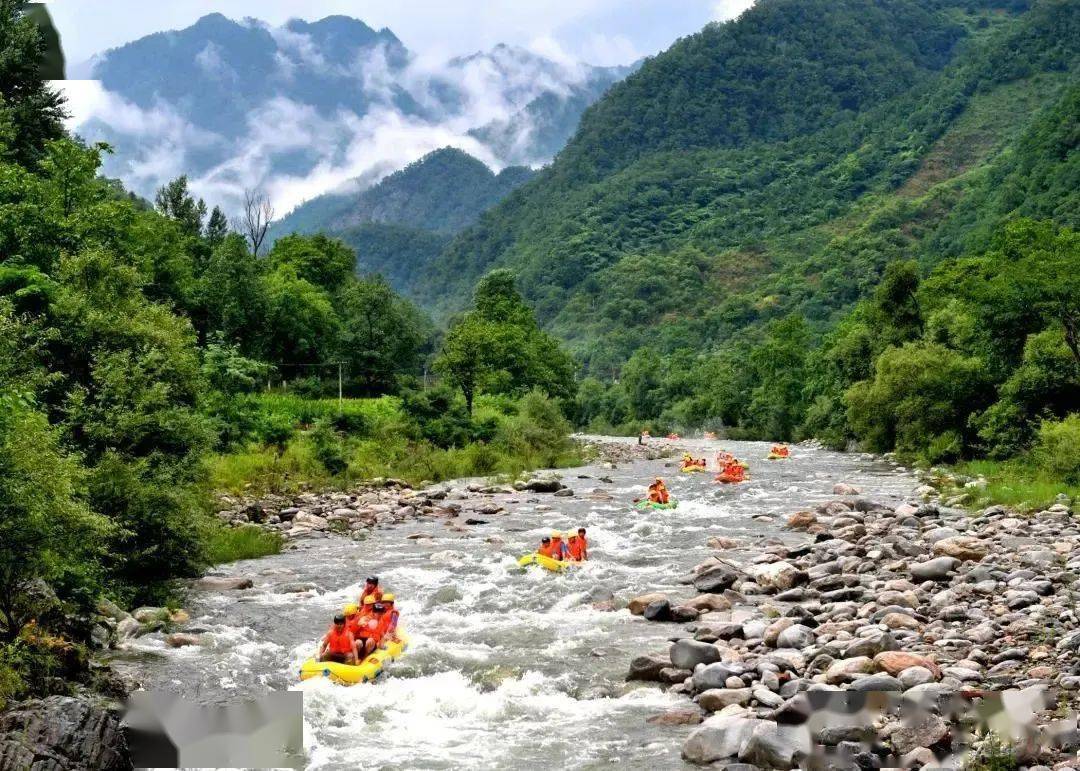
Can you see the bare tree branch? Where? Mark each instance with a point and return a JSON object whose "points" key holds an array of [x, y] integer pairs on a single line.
{"points": [[256, 218]]}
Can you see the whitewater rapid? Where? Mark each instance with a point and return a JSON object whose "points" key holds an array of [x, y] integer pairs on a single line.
{"points": [[506, 666]]}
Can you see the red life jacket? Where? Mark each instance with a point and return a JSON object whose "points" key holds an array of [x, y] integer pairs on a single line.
{"points": [[353, 624], [576, 549], [339, 642], [375, 591]]}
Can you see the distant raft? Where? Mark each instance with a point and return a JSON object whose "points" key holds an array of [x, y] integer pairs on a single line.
{"points": [[774, 456], [547, 563], [364, 672], [654, 505], [693, 469]]}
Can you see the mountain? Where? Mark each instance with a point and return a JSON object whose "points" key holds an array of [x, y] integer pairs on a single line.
{"points": [[443, 192], [304, 108], [776, 164], [405, 221]]}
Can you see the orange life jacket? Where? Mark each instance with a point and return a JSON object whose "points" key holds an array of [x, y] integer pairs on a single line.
{"points": [[339, 642], [545, 549], [576, 548], [353, 624], [369, 629]]}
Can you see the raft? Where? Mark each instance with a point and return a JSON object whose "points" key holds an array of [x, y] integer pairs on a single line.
{"points": [[726, 480], [692, 469], [364, 672], [651, 505], [547, 563], [773, 456]]}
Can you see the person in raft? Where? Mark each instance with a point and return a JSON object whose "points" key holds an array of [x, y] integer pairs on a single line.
{"points": [[658, 492], [338, 644], [371, 589], [391, 617], [577, 547], [780, 449]]}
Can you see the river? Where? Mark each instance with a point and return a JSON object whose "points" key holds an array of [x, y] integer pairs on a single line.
{"points": [[506, 667]]}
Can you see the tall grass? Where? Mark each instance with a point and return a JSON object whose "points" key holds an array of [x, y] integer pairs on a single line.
{"points": [[229, 544], [1016, 483]]}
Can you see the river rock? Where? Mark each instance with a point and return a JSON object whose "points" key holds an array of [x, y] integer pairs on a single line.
{"points": [[684, 613], [314, 521], [638, 604], [110, 609], [722, 543], [648, 667], [801, 520], [146, 615], [962, 547], [843, 488], [844, 670], [797, 636], [926, 731], [62, 733], [913, 676], [777, 576], [709, 676], [877, 683], [224, 583], [715, 699], [719, 737], [660, 610], [677, 717], [687, 653], [716, 577], [129, 627], [776, 746], [181, 640], [548, 484], [297, 588], [870, 646], [708, 602], [936, 569], [895, 662]]}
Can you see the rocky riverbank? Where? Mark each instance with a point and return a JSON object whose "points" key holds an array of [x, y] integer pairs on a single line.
{"points": [[921, 605]]}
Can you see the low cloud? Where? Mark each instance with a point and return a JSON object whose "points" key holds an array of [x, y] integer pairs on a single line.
{"points": [[725, 10], [295, 152]]}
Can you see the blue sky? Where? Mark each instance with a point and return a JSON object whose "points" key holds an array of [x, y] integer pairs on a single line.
{"points": [[597, 31]]}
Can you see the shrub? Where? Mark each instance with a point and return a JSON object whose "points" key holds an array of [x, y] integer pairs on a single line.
{"points": [[328, 448], [1057, 449]]}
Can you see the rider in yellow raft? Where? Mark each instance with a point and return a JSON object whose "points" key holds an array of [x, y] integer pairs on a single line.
{"points": [[780, 451]]}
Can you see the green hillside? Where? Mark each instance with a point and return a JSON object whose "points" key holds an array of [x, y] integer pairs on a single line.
{"points": [[776, 164]]}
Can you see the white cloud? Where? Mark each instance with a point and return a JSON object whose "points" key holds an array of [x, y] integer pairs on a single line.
{"points": [[725, 10]]}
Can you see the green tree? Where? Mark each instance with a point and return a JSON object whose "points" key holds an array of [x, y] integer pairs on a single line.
{"points": [[233, 295], [324, 262], [466, 358], [777, 403], [302, 325], [176, 202], [217, 228], [32, 111], [919, 401], [381, 334]]}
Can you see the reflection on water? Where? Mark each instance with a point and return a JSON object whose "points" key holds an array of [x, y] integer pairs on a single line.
{"points": [[506, 666]]}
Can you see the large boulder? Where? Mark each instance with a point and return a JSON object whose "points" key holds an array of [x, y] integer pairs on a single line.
{"points": [[716, 577], [844, 670], [648, 668], [547, 484], [62, 733], [719, 737], [638, 604], [776, 746], [687, 654], [708, 602], [658, 611], [843, 488], [927, 731], [709, 676]]}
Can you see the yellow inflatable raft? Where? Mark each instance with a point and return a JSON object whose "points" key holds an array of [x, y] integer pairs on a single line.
{"points": [[364, 672], [547, 563], [774, 456], [692, 469]]}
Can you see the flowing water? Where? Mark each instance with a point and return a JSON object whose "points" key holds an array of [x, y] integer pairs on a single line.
{"points": [[506, 666]]}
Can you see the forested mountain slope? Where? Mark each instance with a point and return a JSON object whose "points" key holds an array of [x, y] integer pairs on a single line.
{"points": [[398, 226], [777, 163]]}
